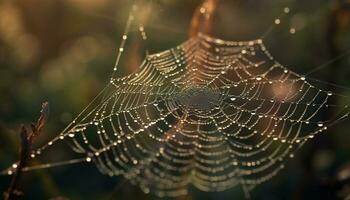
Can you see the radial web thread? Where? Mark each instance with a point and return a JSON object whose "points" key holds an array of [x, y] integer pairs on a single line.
{"points": [[212, 113]]}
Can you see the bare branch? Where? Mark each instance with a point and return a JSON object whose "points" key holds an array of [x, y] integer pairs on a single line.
{"points": [[27, 139]]}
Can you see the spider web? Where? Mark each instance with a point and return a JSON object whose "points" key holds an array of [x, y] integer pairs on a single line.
{"points": [[212, 113]]}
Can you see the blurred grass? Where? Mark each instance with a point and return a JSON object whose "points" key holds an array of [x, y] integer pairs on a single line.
{"points": [[63, 51]]}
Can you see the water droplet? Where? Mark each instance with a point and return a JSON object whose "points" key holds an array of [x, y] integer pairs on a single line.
{"points": [[277, 21], [292, 31], [286, 10]]}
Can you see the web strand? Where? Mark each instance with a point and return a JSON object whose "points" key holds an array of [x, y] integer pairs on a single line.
{"points": [[212, 113]]}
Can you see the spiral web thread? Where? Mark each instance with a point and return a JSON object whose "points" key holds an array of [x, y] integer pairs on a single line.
{"points": [[209, 112], [212, 113]]}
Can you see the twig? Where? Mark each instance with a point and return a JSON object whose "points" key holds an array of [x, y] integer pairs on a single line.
{"points": [[27, 139]]}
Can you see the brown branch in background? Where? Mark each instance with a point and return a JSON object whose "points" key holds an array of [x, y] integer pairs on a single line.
{"points": [[27, 139], [202, 19]]}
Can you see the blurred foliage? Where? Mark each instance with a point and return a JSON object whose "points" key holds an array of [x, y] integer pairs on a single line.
{"points": [[63, 51]]}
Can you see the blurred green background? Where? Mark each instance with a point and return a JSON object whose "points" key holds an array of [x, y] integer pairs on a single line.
{"points": [[63, 51]]}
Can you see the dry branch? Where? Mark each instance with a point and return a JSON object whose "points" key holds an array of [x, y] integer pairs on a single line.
{"points": [[27, 139]]}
